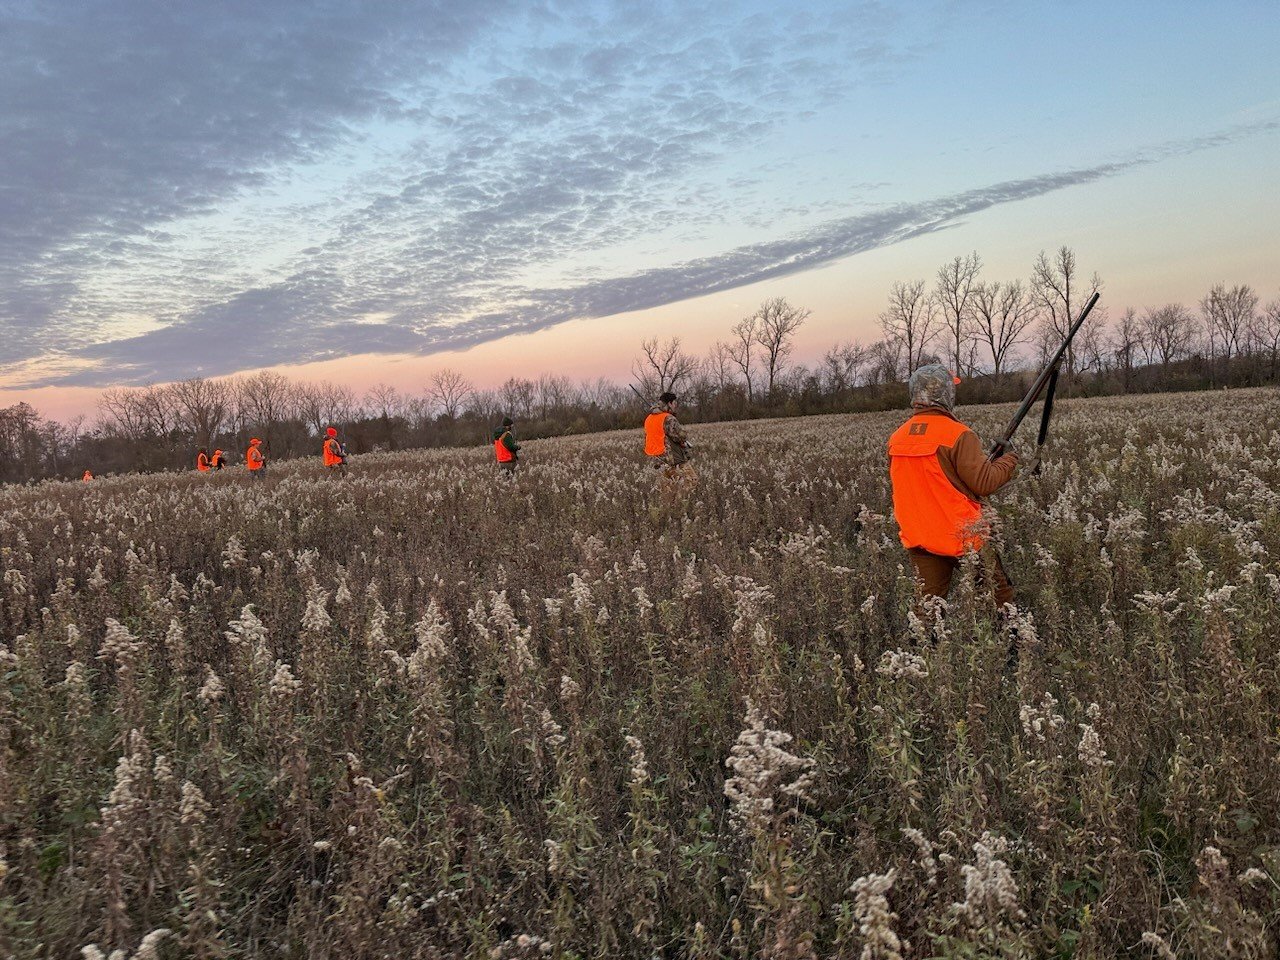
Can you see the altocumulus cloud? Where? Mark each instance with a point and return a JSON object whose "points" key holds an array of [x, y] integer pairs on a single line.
{"points": [[248, 182], [228, 186]]}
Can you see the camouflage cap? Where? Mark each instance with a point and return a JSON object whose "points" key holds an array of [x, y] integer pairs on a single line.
{"points": [[933, 386]]}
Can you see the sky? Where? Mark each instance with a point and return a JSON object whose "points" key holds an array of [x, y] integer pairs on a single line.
{"points": [[368, 192]]}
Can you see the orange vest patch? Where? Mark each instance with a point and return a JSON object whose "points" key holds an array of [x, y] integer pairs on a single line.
{"points": [[504, 455], [331, 455], [655, 434]]}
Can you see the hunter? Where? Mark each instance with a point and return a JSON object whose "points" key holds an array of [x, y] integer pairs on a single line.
{"points": [[335, 455], [505, 447], [255, 459], [940, 478], [202, 460], [665, 442]]}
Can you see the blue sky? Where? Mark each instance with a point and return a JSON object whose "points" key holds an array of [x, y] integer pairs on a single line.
{"points": [[203, 189]]}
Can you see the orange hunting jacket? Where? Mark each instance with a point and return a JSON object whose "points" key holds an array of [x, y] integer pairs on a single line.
{"points": [[940, 475]]}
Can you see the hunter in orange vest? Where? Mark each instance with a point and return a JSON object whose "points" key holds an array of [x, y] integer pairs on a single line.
{"points": [[940, 476], [505, 448], [334, 456], [218, 461], [88, 475], [255, 460], [202, 461], [665, 443]]}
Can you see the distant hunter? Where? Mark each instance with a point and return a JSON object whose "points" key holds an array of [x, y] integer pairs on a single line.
{"points": [[665, 442], [505, 447]]}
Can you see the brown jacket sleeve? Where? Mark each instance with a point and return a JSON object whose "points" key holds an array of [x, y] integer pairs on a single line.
{"points": [[966, 465]]}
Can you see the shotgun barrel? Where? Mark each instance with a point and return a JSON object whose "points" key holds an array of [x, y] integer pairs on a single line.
{"points": [[1049, 373]]}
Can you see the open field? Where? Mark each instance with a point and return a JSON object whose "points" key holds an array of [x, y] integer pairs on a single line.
{"points": [[422, 711]]}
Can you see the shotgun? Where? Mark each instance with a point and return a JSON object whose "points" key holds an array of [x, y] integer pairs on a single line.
{"points": [[1047, 384]]}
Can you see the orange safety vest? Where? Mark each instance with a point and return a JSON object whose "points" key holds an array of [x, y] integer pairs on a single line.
{"points": [[931, 513], [504, 455], [202, 463], [87, 476], [655, 434], [331, 455], [254, 459]]}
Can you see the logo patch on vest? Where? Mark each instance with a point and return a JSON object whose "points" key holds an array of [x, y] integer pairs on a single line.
{"points": [[917, 429]]}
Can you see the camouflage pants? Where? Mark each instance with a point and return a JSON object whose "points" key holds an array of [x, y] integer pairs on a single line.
{"points": [[674, 478]]}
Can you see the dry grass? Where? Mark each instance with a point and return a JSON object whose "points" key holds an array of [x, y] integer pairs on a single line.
{"points": [[423, 711]]}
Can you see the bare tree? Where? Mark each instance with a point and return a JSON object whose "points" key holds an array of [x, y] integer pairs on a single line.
{"points": [[384, 401], [387, 407], [266, 398], [841, 366], [309, 404], [1091, 344], [719, 364], [603, 394], [1267, 333], [555, 393], [1002, 315], [341, 402], [1060, 294], [1126, 342], [418, 410], [450, 390], [1169, 330], [486, 404], [517, 396], [324, 403], [1229, 316], [159, 409], [203, 406], [776, 323], [885, 361], [909, 321], [23, 440], [741, 350], [953, 292], [661, 366], [121, 414], [75, 426]]}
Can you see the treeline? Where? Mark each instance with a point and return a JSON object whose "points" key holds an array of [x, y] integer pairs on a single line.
{"points": [[994, 333]]}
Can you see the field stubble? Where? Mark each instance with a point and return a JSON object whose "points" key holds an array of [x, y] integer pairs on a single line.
{"points": [[428, 711]]}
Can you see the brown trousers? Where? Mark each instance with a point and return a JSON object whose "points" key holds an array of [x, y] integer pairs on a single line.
{"points": [[934, 573]]}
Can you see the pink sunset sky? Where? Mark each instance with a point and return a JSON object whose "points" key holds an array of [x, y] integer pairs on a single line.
{"points": [[516, 194]]}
